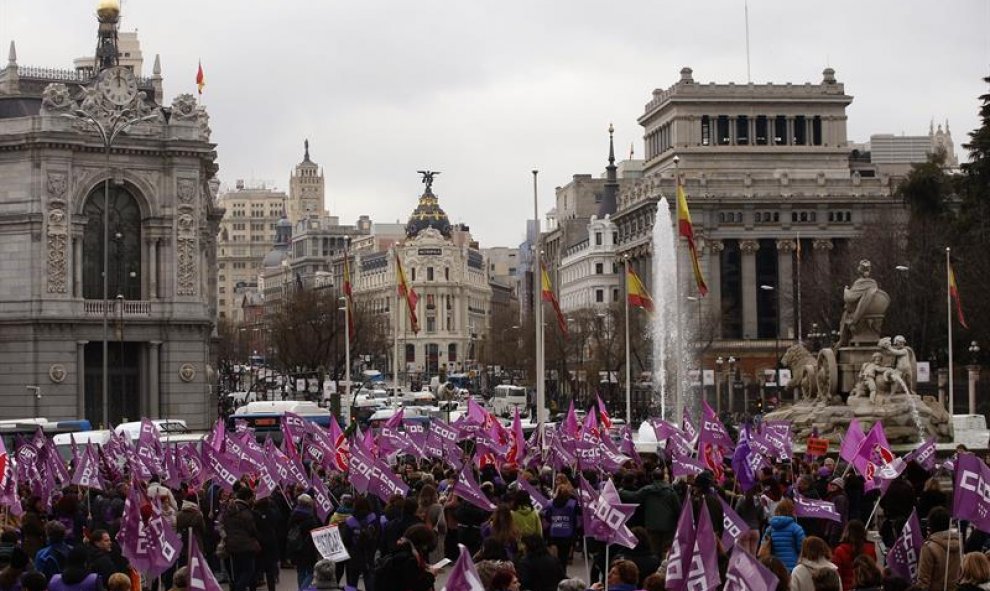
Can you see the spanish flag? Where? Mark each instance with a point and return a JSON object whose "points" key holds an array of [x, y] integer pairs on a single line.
{"points": [[546, 292], [406, 292], [954, 293], [685, 229], [636, 291], [200, 79], [348, 294]]}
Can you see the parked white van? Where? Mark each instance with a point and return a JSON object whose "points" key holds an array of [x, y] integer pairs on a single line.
{"points": [[506, 398]]}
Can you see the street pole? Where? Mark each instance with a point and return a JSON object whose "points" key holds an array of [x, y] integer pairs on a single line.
{"points": [[948, 318], [541, 413], [347, 348], [628, 356], [108, 136]]}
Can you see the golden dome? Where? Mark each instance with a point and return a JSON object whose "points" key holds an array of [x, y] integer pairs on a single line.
{"points": [[108, 8]]}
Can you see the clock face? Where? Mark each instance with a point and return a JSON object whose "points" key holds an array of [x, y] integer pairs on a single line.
{"points": [[117, 85]]}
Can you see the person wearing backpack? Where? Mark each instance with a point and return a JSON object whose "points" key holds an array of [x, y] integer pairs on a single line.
{"points": [[299, 546], [406, 569], [361, 534], [815, 556], [50, 560]]}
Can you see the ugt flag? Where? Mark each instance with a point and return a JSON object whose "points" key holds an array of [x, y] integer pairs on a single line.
{"points": [[971, 499], [903, 555]]}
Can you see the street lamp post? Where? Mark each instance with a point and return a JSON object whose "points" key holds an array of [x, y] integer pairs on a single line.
{"points": [[719, 363], [108, 135], [347, 350], [732, 384], [974, 375], [776, 352]]}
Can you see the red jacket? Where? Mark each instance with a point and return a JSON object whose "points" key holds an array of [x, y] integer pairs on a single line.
{"points": [[843, 557]]}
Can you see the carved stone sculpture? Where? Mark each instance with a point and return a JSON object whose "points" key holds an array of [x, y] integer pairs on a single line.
{"points": [[803, 366], [184, 107], [864, 306], [56, 99]]}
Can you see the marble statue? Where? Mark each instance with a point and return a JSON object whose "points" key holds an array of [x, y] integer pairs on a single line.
{"points": [[864, 305], [802, 365]]}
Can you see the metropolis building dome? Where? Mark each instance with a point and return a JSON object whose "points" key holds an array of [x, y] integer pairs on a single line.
{"points": [[428, 213]]}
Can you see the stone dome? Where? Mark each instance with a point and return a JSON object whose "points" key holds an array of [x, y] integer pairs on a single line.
{"points": [[428, 214]]}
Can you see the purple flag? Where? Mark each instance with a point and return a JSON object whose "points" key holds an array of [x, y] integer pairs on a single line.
{"points": [[467, 488], [149, 448], [613, 513], [681, 550], [971, 496], [570, 426], [688, 428], [815, 508], [903, 555], [712, 429], [87, 472], [464, 575], [746, 476], [225, 470], [677, 445], [682, 466], [746, 573], [924, 455], [200, 576], [171, 477], [703, 571], [851, 441], [373, 476], [441, 437], [540, 502], [324, 506], [164, 544], [733, 526]]}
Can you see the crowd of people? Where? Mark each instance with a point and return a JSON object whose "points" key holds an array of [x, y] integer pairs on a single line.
{"points": [[70, 544]]}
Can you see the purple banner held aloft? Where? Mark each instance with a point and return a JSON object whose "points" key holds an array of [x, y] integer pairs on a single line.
{"points": [[467, 489], [851, 441], [200, 576], [904, 554], [971, 496], [225, 469], [746, 476], [321, 498], [87, 471], [924, 455], [369, 475], [815, 508], [703, 572], [746, 573], [681, 550], [540, 502], [464, 576], [712, 429], [733, 526], [683, 466]]}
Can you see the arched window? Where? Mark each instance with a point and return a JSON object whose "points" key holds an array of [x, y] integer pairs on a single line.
{"points": [[124, 241]]}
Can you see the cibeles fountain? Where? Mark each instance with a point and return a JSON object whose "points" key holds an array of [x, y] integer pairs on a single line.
{"points": [[866, 376]]}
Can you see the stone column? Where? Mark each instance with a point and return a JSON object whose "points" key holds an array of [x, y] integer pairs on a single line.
{"points": [[943, 382], [974, 376], [789, 126], [154, 371], [822, 248], [732, 131], [77, 268], [749, 287], [785, 289], [714, 298], [81, 378], [153, 269]]}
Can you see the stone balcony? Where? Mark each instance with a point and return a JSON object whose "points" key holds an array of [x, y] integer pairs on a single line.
{"points": [[78, 310]]}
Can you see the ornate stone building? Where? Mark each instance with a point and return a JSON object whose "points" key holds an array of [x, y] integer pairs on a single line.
{"points": [[156, 313], [449, 273], [764, 166]]}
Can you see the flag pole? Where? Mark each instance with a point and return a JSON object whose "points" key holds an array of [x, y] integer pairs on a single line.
{"points": [[538, 309], [628, 357], [395, 326], [800, 332], [948, 318], [679, 341]]}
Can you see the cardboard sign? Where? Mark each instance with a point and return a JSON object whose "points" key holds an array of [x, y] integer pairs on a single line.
{"points": [[817, 446], [329, 543]]}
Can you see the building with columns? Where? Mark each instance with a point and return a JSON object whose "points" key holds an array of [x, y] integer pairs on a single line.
{"points": [[449, 274], [767, 174], [152, 306]]}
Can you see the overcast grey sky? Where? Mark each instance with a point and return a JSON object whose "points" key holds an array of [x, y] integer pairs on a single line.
{"points": [[487, 91]]}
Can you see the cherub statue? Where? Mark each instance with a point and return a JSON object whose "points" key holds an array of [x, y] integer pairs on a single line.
{"points": [[869, 375], [903, 371]]}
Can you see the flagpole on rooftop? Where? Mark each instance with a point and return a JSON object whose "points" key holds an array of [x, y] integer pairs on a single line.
{"points": [[948, 318], [625, 257]]}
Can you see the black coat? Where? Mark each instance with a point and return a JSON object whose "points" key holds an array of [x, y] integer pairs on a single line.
{"points": [[540, 573]]}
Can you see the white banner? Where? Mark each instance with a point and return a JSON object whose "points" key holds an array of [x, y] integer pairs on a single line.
{"points": [[924, 372], [329, 543]]}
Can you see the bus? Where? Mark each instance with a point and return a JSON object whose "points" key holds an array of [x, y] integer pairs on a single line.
{"points": [[265, 417], [14, 429], [506, 398]]}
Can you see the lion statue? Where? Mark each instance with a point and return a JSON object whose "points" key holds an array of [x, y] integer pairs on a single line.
{"points": [[803, 366]]}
